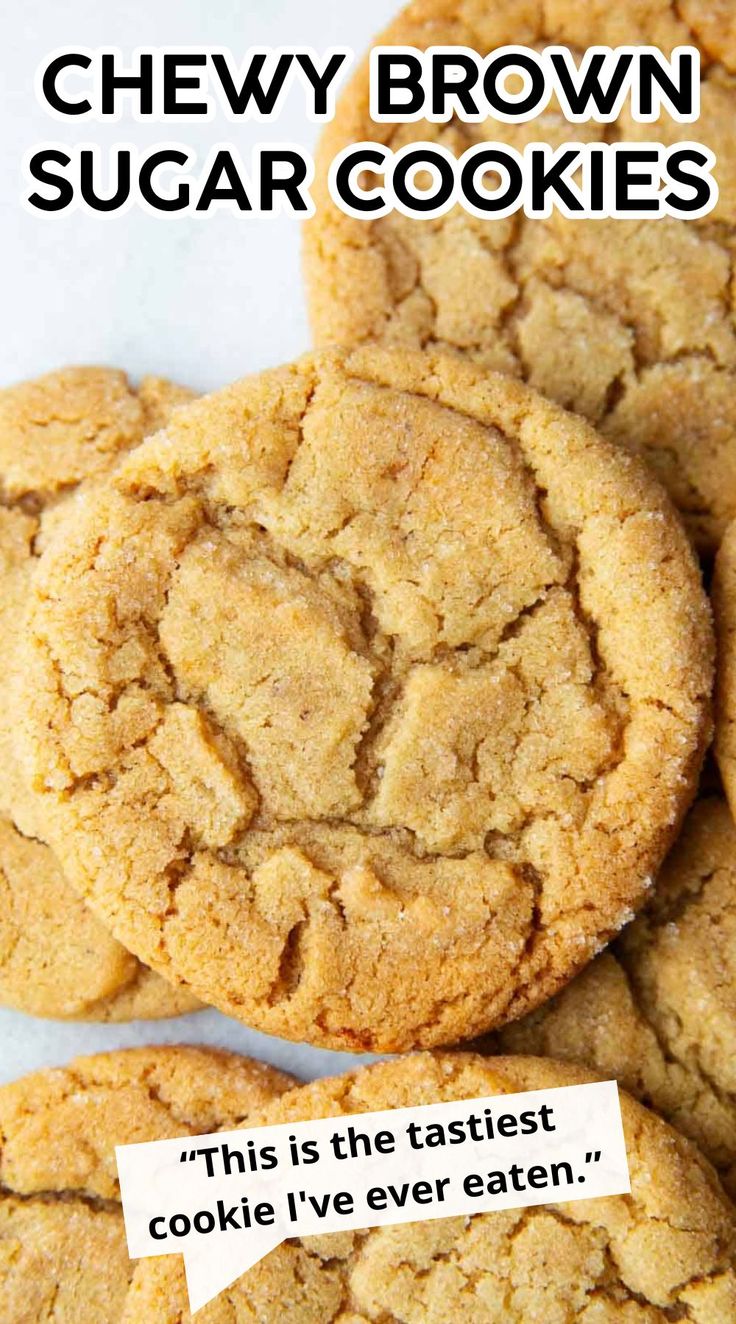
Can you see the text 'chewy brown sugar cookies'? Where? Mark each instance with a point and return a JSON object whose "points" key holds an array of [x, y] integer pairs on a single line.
{"points": [[378, 697], [57, 434], [629, 322], [658, 1010], [664, 1252], [63, 1253]]}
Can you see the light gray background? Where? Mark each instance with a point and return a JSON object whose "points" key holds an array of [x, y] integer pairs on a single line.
{"points": [[201, 299]]}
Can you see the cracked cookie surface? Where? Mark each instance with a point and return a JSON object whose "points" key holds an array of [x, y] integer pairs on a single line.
{"points": [[664, 1252], [377, 667], [658, 1010], [630, 323], [63, 1254], [58, 432]]}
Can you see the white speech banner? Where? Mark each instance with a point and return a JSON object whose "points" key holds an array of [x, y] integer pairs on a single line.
{"points": [[223, 1201]]}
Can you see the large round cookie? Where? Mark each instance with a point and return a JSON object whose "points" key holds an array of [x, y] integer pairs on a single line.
{"points": [[63, 1253], [628, 322], [658, 1011], [664, 1252], [57, 432], [376, 701]]}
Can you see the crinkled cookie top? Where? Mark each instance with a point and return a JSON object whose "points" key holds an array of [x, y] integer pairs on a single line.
{"points": [[630, 323], [658, 1009], [57, 432], [63, 1253], [368, 697], [664, 1252]]}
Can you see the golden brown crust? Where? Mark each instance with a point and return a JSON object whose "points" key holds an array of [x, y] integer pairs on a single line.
{"points": [[62, 1243], [58, 432], [658, 1010], [628, 322], [664, 1251], [373, 663]]}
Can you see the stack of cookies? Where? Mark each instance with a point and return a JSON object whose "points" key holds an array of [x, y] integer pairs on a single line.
{"points": [[367, 700]]}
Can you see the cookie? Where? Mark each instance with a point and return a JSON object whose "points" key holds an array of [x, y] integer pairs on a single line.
{"points": [[664, 1252], [658, 1011], [377, 700], [56, 958], [57, 432], [63, 1253], [628, 322], [723, 593]]}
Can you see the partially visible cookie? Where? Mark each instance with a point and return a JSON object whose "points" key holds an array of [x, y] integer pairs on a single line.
{"points": [[56, 958], [723, 594], [58, 432], [63, 1253], [629, 322], [664, 1252], [370, 665], [658, 1010]]}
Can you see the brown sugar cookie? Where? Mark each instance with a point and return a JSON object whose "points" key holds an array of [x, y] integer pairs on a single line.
{"points": [[629, 322], [56, 958], [723, 594], [63, 1253], [658, 1011], [57, 432], [377, 700], [664, 1252]]}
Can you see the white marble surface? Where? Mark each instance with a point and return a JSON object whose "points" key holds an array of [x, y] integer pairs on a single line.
{"points": [[201, 299]]}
